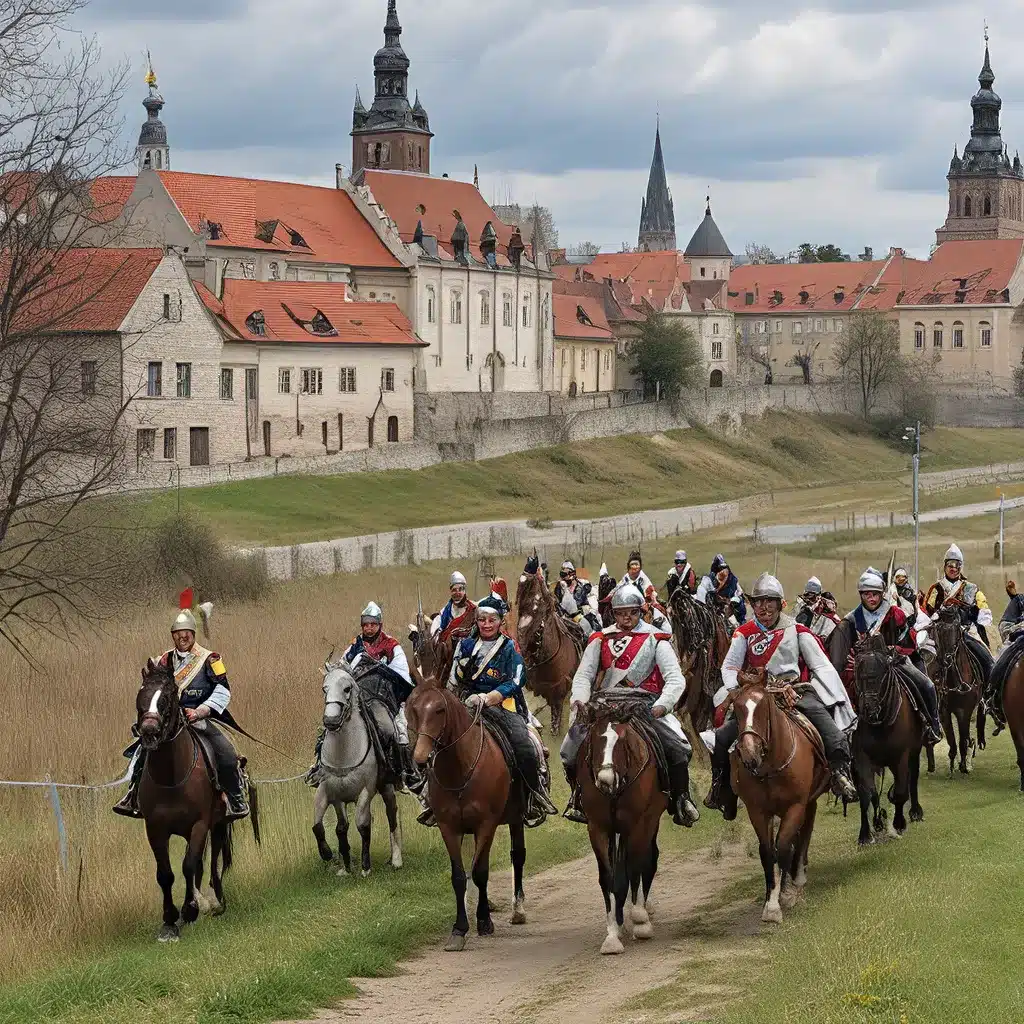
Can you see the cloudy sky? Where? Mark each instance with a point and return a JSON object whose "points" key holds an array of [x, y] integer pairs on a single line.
{"points": [[830, 122]]}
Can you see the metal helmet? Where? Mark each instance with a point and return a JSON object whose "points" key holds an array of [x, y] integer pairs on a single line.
{"points": [[900, 572], [184, 620], [680, 556], [871, 579], [457, 580], [372, 613], [954, 554], [813, 586], [718, 563], [627, 596], [567, 566], [766, 585]]}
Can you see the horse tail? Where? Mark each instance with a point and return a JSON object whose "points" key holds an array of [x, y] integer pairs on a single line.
{"points": [[254, 812], [620, 867], [226, 849]]}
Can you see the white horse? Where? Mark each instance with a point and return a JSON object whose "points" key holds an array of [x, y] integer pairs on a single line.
{"points": [[351, 773]]}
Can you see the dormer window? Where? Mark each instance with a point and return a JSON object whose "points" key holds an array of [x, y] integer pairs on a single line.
{"points": [[581, 315], [322, 326], [804, 296], [256, 324], [296, 239], [216, 230]]}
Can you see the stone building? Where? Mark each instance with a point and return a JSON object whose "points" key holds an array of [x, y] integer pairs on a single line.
{"points": [[591, 328], [657, 214], [986, 187]]}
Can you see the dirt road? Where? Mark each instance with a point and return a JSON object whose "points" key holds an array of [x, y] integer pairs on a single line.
{"points": [[549, 971]]}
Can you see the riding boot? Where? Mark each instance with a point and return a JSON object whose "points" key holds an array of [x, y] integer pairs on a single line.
{"points": [[842, 781], [721, 796], [128, 805], [684, 810], [238, 805], [573, 809], [315, 774]]}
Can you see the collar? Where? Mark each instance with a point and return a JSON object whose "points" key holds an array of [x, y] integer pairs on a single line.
{"points": [[768, 629]]}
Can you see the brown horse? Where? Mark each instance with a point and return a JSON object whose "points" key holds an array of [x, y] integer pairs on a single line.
{"points": [[432, 658], [778, 771], [702, 641], [1007, 685], [470, 792], [959, 686], [889, 734], [606, 585], [177, 798], [623, 801], [550, 651]]}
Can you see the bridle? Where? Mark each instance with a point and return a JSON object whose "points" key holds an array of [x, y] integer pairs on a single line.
{"points": [[437, 749], [949, 661], [166, 725], [535, 649], [605, 710], [346, 717], [772, 692]]}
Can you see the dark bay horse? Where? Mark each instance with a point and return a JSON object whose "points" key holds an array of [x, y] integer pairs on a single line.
{"points": [[432, 657], [551, 652], [619, 790], [177, 798], [779, 771], [702, 641], [1007, 684], [889, 734], [958, 682], [470, 792]]}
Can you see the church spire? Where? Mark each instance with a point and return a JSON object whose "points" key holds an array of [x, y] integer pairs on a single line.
{"points": [[153, 151], [657, 215]]}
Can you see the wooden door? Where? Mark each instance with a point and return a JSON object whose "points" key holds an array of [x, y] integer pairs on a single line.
{"points": [[199, 446]]}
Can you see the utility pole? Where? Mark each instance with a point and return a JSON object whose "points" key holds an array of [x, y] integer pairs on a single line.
{"points": [[917, 509]]}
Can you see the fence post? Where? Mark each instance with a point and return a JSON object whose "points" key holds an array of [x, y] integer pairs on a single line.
{"points": [[58, 813], [844, 574]]}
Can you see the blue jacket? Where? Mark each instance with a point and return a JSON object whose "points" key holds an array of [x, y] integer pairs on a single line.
{"points": [[504, 671]]}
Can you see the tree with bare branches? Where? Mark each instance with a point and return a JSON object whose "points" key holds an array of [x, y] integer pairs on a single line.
{"points": [[805, 358], [868, 358]]}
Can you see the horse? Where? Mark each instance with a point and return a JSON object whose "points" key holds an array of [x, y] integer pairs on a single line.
{"points": [[432, 655], [352, 773], [177, 798], [1007, 685], [959, 688], [702, 641], [623, 802], [889, 734], [779, 771], [606, 585], [551, 652], [470, 792]]}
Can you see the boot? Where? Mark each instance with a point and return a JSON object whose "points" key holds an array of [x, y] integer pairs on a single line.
{"points": [[128, 805], [842, 783], [238, 805], [684, 810], [573, 809], [720, 796]]}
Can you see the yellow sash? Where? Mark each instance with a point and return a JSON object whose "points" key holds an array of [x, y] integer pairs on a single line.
{"points": [[190, 667]]}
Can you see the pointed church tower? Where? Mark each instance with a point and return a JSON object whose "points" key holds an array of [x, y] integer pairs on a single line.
{"points": [[153, 152], [657, 215]]}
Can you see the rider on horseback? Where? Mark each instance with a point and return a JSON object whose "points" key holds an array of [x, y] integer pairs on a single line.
{"points": [[721, 587], [681, 575], [632, 654], [1013, 617], [457, 614], [635, 573], [204, 695], [784, 649], [875, 615], [488, 673], [575, 598], [816, 609]]}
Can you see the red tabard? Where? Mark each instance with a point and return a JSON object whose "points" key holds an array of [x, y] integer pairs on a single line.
{"points": [[654, 683]]}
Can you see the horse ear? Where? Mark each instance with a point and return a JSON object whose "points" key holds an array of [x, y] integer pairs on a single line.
{"points": [[151, 666]]}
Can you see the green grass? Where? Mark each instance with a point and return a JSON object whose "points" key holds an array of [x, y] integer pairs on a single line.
{"points": [[572, 482]]}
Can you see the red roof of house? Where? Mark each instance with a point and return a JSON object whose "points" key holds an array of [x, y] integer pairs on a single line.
{"points": [[87, 290], [285, 303], [970, 272], [572, 313], [109, 195], [652, 276], [326, 219]]}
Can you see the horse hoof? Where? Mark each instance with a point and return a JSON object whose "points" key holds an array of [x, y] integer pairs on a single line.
{"points": [[190, 913], [396, 861], [342, 873], [788, 898], [771, 915], [217, 908], [643, 931], [365, 873], [169, 933], [518, 914], [612, 946], [917, 815], [866, 841], [485, 928], [965, 769], [456, 943]]}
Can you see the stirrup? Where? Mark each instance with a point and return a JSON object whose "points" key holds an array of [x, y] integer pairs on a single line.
{"points": [[684, 811], [842, 785], [237, 806], [426, 818], [573, 811], [128, 806]]}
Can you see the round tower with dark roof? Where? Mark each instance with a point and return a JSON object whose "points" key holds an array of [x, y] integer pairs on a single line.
{"points": [[707, 253], [153, 151], [393, 134]]}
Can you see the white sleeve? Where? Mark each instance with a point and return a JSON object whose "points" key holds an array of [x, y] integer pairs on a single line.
{"points": [[435, 625], [734, 659], [672, 674], [984, 616], [219, 699], [400, 663], [702, 591], [818, 664], [583, 681]]}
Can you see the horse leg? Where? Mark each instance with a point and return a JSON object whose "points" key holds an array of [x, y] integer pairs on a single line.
{"points": [[899, 794], [192, 870], [762, 822], [867, 793], [980, 725], [391, 807], [218, 839], [363, 825], [165, 879], [640, 857], [341, 831], [320, 804], [787, 850], [916, 810], [803, 844], [481, 873], [453, 843], [620, 877], [652, 870], [963, 716], [947, 725], [604, 853], [517, 835], [555, 706]]}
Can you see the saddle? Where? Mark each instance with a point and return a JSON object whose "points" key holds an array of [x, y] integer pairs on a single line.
{"points": [[202, 738], [494, 723]]}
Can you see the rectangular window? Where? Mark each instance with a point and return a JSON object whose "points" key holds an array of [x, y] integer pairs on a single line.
{"points": [[347, 379], [170, 444], [506, 309], [155, 380], [387, 380], [227, 383], [184, 378], [716, 350], [284, 382], [986, 337], [817, 325], [456, 310], [798, 327], [89, 377], [527, 312], [607, 360], [167, 306], [563, 356], [145, 443], [485, 308], [958, 337], [918, 337], [937, 338], [778, 327], [312, 381], [839, 327]]}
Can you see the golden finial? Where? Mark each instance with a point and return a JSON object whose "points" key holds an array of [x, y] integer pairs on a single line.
{"points": [[150, 73]]}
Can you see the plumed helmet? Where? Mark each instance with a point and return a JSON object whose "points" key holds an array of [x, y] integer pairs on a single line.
{"points": [[184, 620], [718, 563], [492, 605], [680, 556], [813, 586], [766, 585], [634, 556], [456, 580], [954, 554], [627, 597], [871, 579], [372, 613]]}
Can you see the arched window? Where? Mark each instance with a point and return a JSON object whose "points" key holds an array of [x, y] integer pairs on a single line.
{"points": [[392, 428], [431, 307], [988, 206], [958, 334], [716, 378], [456, 306], [967, 206], [703, 272], [148, 161], [159, 160], [985, 334], [937, 334], [527, 311], [485, 308], [919, 335]]}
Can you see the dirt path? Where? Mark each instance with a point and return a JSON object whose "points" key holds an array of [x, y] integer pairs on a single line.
{"points": [[549, 971]]}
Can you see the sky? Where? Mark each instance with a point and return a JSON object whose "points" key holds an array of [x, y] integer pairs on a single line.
{"points": [[825, 122]]}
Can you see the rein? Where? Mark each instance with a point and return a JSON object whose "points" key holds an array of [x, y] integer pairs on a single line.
{"points": [[167, 742], [535, 648], [346, 717], [772, 693], [950, 663], [622, 711], [438, 750]]}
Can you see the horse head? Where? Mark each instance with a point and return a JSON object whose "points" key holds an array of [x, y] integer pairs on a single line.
{"points": [[532, 598], [432, 660], [341, 695], [156, 705], [755, 709], [874, 664], [947, 632], [426, 712]]}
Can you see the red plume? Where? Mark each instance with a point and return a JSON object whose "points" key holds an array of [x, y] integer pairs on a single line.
{"points": [[500, 587], [185, 599]]}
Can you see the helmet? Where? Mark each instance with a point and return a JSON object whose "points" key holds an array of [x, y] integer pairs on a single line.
{"points": [[680, 556], [185, 620], [627, 597], [372, 613], [634, 556], [456, 580], [900, 572], [954, 554], [718, 563], [766, 585], [871, 579], [813, 586], [491, 605], [568, 569]]}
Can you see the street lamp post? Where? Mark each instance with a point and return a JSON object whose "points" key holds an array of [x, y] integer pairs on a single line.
{"points": [[917, 472]]}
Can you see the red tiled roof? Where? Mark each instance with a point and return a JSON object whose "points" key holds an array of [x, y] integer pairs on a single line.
{"points": [[364, 323], [568, 323], [970, 272], [109, 195], [652, 276], [87, 290], [325, 218]]}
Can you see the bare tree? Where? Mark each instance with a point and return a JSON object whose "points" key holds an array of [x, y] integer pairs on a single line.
{"points": [[868, 357], [805, 358], [531, 219], [758, 253], [583, 249], [61, 421]]}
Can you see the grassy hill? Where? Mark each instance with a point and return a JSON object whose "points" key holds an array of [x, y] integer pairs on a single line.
{"points": [[595, 478]]}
